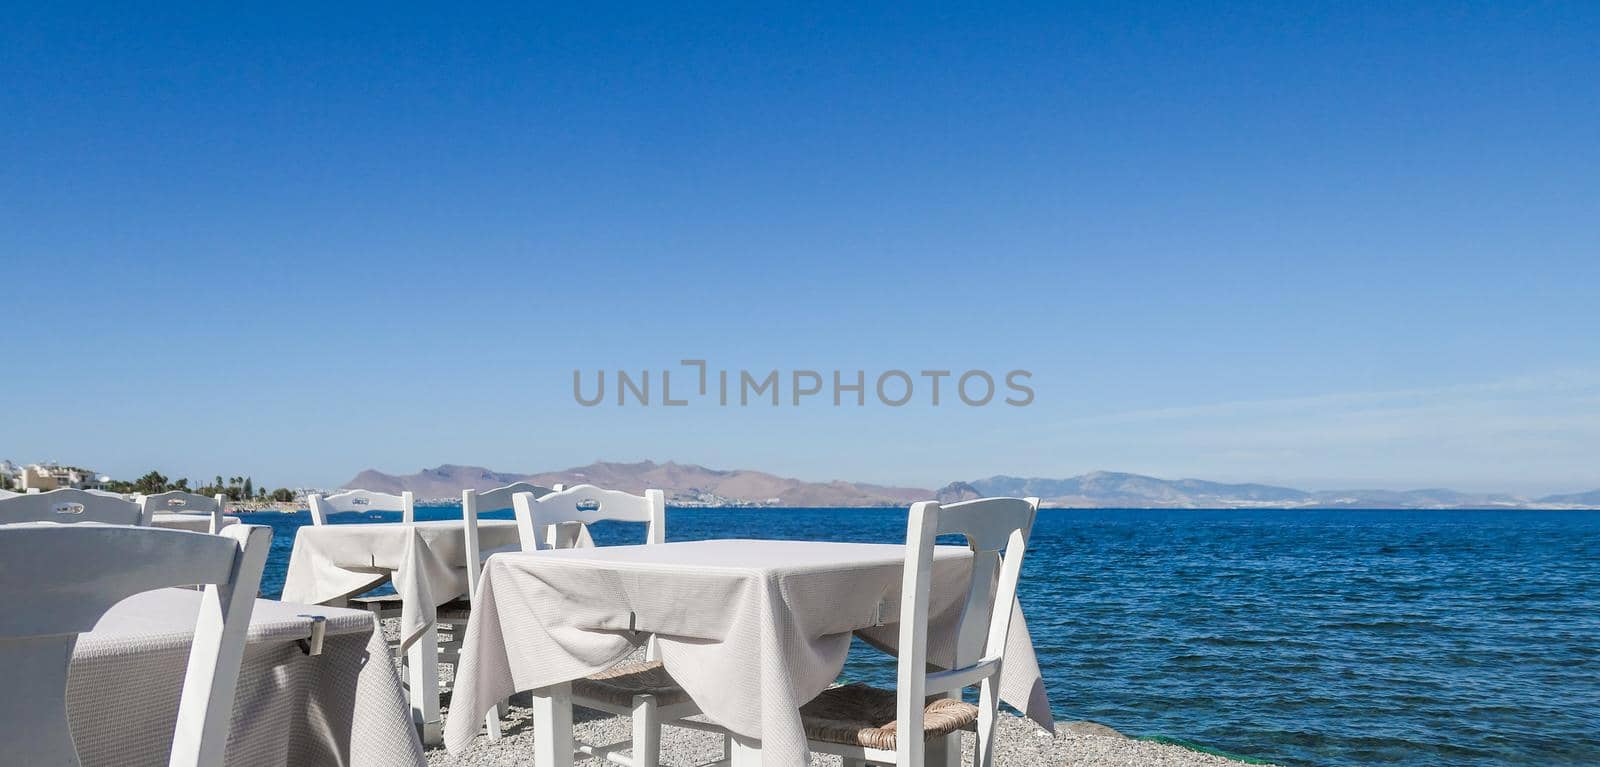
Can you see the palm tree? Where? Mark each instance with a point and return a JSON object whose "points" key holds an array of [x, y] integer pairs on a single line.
{"points": [[151, 483]]}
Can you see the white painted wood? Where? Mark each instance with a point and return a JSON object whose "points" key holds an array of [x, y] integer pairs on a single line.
{"points": [[997, 531], [552, 726], [56, 582], [348, 501], [422, 681], [745, 752], [943, 752], [473, 504], [181, 502], [953, 681], [587, 503], [201, 736], [67, 505], [646, 732], [911, 674]]}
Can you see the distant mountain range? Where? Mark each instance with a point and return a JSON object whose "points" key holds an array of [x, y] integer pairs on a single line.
{"points": [[685, 484], [688, 484], [1105, 489]]}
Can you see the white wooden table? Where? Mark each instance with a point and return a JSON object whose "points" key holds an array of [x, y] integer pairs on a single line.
{"points": [[426, 562], [293, 708], [751, 629]]}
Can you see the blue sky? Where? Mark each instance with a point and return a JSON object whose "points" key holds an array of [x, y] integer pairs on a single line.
{"points": [[1328, 245]]}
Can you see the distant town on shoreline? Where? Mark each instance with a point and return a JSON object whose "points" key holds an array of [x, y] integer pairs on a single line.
{"points": [[694, 485]]}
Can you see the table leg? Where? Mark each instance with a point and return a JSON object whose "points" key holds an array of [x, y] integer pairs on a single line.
{"points": [[746, 752], [552, 726], [422, 673]]}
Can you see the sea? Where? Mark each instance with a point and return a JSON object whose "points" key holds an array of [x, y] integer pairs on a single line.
{"points": [[1292, 637]]}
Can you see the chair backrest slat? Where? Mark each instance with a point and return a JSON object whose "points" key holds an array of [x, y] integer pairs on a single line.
{"points": [[56, 581], [996, 530], [68, 505], [181, 502], [348, 501], [474, 503], [537, 516]]}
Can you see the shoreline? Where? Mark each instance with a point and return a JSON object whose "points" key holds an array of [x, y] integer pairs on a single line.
{"points": [[294, 506], [1021, 743]]}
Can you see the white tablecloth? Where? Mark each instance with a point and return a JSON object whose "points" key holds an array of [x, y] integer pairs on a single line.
{"points": [[426, 561], [343, 708], [199, 523], [751, 629]]}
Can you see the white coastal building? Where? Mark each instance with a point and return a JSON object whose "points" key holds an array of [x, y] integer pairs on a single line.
{"points": [[50, 476]]}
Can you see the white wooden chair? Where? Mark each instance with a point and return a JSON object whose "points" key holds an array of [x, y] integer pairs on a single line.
{"points": [[639, 689], [110, 494], [865, 725], [55, 583], [474, 503], [181, 502], [67, 505], [360, 501], [458, 613]]}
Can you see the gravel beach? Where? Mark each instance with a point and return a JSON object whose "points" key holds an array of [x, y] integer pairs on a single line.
{"points": [[1022, 742]]}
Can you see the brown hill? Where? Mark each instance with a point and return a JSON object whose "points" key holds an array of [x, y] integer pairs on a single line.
{"points": [[683, 483]]}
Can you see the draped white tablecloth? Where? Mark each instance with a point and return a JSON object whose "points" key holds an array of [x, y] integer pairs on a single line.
{"points": [[199, 523], [751, 629], [343, 708], [425, 560]]}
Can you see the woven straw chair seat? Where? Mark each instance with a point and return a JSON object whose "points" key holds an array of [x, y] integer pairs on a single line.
{"points": [[617, 685], [858, 715]]}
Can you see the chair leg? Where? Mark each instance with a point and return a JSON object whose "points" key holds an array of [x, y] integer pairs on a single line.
{"points": [[422, 671], [746, 753], [646, 732], [943, 752], [988, 716], [552, 726], [491, 723]]}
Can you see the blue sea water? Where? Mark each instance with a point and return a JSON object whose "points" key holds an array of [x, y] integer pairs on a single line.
{"points": [[1298, 637]]}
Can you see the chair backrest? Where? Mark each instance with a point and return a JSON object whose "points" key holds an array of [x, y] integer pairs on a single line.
{"points": [[547, 522], [346, 501], [474, 503], [997, 531], [56, 581], [68, 505], [181, 502]]}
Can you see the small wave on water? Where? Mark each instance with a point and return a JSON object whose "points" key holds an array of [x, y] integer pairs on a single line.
{"points": [[1294, 637]]}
